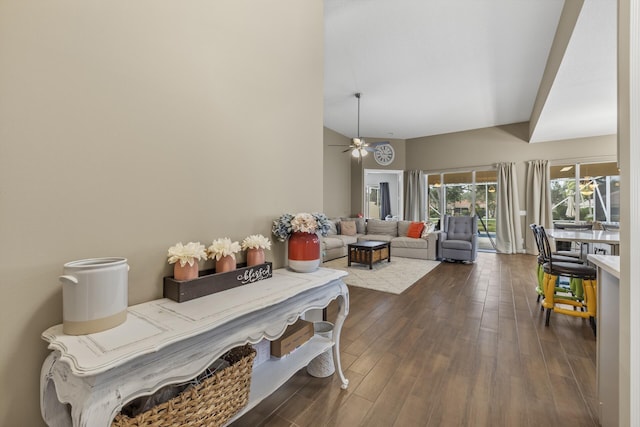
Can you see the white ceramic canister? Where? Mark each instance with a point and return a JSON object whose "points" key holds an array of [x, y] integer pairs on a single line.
{"points": [[94, 295], [322, 366]]}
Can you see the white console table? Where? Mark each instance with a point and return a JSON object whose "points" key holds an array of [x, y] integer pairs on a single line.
{"points": [[164, 342]]}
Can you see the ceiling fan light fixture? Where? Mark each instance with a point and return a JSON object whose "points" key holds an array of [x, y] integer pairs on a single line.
{"points": [[359, 152]]}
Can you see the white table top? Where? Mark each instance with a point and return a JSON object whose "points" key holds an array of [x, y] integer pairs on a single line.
{"points": [[609, 263], [585, 236], [156, 324]]}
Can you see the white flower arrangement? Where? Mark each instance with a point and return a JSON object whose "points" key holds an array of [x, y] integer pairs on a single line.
{"points": [[304, 223], [223, 247], [186, 254], [301, 222], [256, 241]]}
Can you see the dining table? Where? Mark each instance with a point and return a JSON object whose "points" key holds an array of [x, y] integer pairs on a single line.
{"points": [[588, 238]]}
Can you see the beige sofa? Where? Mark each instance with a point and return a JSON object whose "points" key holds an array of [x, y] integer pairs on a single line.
{"points": [[334, 245]]}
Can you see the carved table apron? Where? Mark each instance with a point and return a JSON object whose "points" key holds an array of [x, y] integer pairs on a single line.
{"points": [[164, 342]]}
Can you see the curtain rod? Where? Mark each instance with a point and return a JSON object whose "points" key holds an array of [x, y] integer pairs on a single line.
{"points": [[463, 169], [591, 159]]}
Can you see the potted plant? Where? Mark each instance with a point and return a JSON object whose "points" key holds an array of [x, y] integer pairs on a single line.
{"points": [[301, 230], [224, 251], [184, 258], [255, 246]]}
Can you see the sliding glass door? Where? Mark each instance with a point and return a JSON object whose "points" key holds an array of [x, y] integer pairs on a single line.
{"points": [[434, 195], [458, 193], [486, 203], [465, 193]]}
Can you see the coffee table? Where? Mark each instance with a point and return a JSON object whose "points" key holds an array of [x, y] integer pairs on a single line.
{"points": [[368, 252]]}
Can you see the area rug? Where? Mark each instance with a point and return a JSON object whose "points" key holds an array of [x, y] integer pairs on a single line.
{"points": [[393, 277]]}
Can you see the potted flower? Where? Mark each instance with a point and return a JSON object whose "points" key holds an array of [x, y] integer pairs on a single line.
{"points": [[302, 231], [255, 246], [184, 258], [224, 251], [288, 224]]}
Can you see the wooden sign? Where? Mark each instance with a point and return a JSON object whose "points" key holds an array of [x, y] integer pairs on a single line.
{"points": [[210, 282]]}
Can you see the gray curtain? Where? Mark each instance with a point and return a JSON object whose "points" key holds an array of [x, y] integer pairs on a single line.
{"points": [[508, 228], [538, 199], [414, 196], [385, 200]]}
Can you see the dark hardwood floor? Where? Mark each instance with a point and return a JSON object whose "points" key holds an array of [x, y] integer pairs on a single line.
{"points": [[465, 346]]}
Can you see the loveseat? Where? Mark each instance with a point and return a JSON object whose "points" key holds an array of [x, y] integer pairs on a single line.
{"points": [[334, 245]]}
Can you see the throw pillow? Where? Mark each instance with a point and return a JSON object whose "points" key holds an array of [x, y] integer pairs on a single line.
{"points": [[333, 228], [360, 224], [429, 227], [348, 228], [415, 230]]}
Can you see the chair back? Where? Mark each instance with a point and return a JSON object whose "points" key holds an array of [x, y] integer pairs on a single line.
{"points": [[546, 247], [536, 238], [461, 227]]}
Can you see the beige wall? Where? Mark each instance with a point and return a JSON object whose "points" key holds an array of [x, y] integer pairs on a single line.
{"points": [[628, 143], [481, 148], [369, 162], [488, 146], [126, 127], [508, 143], [336, 177]]}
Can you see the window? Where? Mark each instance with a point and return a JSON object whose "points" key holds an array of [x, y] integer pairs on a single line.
{"points": [[434, 190], [585, 192], [373, 202], [458, 190], [486, 200], [465, 193]]}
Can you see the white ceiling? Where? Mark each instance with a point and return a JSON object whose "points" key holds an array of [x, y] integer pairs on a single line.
{"points": [[428, 67]]}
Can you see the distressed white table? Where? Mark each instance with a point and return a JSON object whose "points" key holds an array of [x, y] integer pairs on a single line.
{"points": [[163, 342]]}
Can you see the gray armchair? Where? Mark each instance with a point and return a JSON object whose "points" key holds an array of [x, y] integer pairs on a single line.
{"points": [[459, 238]]}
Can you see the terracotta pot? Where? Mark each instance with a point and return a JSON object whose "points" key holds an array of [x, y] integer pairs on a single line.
{"points": [[226, 263], [304, 252], [255, 256], [188, 272]]}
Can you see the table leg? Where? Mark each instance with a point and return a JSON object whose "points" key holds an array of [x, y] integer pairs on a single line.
{"points": [[343, 310], [370, 259]]}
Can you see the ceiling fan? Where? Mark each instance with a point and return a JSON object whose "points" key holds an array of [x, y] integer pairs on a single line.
{"points": [[358, 146]]}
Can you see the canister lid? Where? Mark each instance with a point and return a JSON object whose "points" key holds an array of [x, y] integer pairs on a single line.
{"points": [[95, 262]]}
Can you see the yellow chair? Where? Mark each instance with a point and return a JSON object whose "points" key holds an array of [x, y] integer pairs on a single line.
{"points": [[551, 270], [575, 285]]}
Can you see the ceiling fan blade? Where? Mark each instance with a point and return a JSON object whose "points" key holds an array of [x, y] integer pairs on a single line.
{"points": [[348, 149], [375, 144], [338, 145]]}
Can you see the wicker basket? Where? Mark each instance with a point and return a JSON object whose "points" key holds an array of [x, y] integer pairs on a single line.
{"points": [[210, 403]]}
